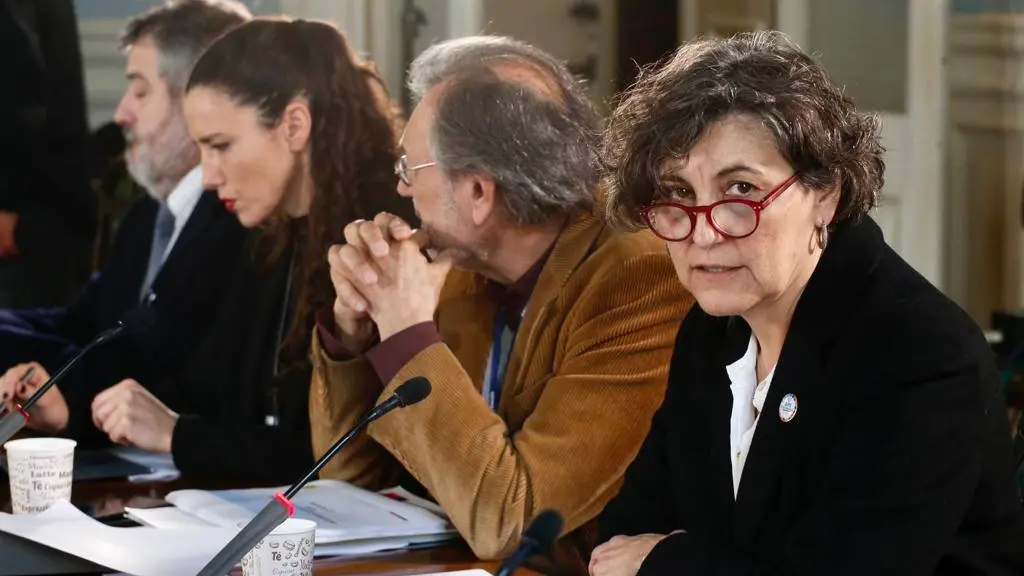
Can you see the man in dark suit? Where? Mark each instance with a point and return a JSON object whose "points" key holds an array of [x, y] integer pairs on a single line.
{"points": [[173, 249], [47, 211]]}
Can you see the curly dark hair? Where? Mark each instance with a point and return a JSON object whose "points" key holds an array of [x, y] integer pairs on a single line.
{"points": [[673, 103], [266, 63]]}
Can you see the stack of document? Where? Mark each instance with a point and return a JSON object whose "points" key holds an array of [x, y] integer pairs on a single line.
{"points": [[63, 533], [350, 520]]}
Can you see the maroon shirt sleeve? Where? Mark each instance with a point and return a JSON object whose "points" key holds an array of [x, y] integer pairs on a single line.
{"points": [[392, 354], [387, 357], [325, 328]]}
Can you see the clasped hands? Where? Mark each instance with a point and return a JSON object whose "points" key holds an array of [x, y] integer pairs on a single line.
{"points": [[383, 280], [126, 412]]}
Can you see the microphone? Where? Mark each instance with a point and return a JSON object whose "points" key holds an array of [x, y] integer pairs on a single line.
{"points": [[137, 320], [280, 508], [537, 539]]}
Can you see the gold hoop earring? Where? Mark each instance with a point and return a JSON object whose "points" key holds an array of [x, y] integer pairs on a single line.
{"points": [[822, 235]]}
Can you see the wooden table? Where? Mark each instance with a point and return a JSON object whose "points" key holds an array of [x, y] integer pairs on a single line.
{"points": [[110, 497]]}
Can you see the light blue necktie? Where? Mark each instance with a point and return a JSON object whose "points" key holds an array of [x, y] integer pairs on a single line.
{"points": [[162, 232]]}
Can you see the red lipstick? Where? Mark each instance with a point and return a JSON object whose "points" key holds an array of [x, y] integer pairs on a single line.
{"points": [[229, 204]]}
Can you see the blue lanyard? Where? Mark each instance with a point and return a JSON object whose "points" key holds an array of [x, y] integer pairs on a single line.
{"points": [[495, 380]]}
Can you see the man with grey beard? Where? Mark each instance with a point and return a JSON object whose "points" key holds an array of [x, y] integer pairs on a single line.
{"points": [[173, 251]]}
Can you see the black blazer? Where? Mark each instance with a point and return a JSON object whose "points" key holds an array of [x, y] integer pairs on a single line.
{"points": [[898, 460], [43, 175], [188, 291]]}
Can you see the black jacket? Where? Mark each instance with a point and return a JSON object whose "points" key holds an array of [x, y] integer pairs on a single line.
{"points": [[898, 461], [229, 389], [43, 175], [188, 289], [225, 392]]}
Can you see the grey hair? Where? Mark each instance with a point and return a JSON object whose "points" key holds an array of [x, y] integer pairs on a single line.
{"points": [[182, 30], [541, 151]]}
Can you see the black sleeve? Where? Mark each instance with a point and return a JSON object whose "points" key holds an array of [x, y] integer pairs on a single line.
{"points": [[77, 322], [227, 448], [641, 506]]}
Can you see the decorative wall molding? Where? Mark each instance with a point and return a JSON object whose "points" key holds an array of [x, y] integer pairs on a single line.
{"points": [[986, 72], [986, 89], [987, 33]]}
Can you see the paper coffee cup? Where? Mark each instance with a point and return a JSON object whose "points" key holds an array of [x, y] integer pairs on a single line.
{"points": [[40, 472], [287, 551]]}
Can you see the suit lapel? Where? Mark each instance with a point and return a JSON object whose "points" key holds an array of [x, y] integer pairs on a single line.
{"points": [[735, 335], [796, 376], [841, 275], [132, 269], [573, 245]]}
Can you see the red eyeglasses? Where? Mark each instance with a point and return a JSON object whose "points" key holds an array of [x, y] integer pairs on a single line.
{"points": [[733, 218]]}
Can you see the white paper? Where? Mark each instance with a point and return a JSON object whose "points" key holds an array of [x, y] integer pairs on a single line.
{"points": [[403, 495], [165, 518], [139, 551], [171, 518], [476, 572], [343, 512], [162, 465]]}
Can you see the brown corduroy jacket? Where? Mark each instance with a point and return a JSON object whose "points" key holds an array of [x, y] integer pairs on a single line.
{"points": [[586, 373]]}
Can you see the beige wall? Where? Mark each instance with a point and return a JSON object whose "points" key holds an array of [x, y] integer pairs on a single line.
{"points": [[103, 65], [724, 17], [851, 37], [863, 45], [547, 25], [436, 27]]}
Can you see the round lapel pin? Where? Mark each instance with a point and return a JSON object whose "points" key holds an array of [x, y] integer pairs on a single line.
{"points": [[787, 408]]}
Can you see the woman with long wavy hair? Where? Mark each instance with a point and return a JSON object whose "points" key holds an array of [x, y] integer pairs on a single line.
{"points": [[297, 137]]}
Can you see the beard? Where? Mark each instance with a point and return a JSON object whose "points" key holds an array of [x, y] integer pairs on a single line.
{"points": [[439, 241], [465, 255], [160, 161]]}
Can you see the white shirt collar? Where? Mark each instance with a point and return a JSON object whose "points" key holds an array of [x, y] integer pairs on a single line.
{"points": [[748, 396], [182, 201], [186, 195]]}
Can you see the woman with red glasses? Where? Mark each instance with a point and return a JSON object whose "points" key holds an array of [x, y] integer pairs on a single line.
{"points": [[828, 410]]}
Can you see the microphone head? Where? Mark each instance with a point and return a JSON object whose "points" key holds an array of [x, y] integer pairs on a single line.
{"points": [[138, 320], [543, 531], [412, 391]]}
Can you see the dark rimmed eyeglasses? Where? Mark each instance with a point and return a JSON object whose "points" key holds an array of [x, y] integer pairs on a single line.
{"points": [[402, 168], [733, 218]]}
